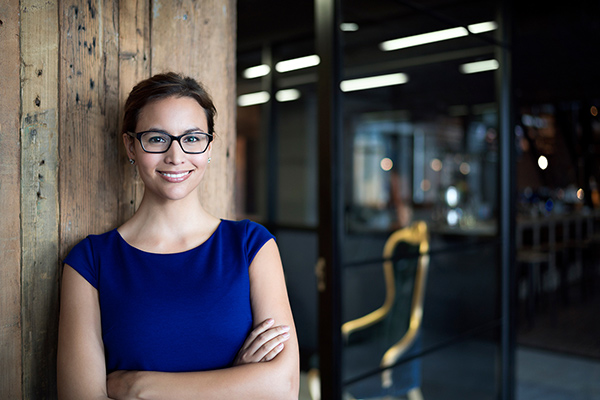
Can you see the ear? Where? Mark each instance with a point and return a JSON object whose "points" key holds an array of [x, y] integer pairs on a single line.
{"points": [[129, 143], [209, 150]]}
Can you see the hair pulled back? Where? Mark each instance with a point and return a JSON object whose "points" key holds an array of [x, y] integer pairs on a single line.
{"points": [[160, 87]]}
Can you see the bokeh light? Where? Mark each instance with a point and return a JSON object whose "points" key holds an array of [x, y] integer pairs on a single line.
{"points": [[543, 162], [386, 164]]}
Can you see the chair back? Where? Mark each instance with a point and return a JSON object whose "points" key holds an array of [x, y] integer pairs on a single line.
{"points": [[396, 324], [406, 255]]}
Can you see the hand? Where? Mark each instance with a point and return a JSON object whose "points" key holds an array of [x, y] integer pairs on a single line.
{"points": [[120, 385], [264, 343]]}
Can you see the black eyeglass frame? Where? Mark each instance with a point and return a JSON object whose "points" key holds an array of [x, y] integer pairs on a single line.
{"points": [[138, 136]]}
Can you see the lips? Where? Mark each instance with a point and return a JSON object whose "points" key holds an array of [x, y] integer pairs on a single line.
{"points": [[175, 176]]}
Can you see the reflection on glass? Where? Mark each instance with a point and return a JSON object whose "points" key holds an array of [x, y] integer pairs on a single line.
{"points": [[424, 150], [399, 165]]}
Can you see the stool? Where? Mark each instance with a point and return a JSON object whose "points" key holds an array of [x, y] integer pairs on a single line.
{"points": [[533, 260]]}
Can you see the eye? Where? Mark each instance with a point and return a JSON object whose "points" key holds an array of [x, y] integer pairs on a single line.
{"points": [[193, 138], [156, 138]]}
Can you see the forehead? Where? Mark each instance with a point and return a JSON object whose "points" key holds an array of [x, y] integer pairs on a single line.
{"points": [[172, 114]]}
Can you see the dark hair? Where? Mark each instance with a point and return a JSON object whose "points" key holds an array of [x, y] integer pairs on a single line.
{"points": [[160, 87]]}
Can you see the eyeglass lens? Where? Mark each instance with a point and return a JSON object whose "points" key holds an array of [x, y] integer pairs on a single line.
{"points": [[159, 142]]}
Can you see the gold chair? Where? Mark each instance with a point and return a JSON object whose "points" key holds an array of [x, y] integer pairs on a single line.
{"points": [[400, 317]]}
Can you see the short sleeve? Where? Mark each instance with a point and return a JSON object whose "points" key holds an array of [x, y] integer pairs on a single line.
{"points": [[81, 259], [256, 237]]}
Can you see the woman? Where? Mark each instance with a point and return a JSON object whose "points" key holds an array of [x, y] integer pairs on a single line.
{"points": [[175, 303]]}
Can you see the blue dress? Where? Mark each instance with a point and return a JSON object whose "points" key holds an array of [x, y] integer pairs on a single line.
{"points": [[179, 312]]}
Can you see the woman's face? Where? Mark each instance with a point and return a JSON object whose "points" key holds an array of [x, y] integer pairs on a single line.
{"points": [[175, 174]]}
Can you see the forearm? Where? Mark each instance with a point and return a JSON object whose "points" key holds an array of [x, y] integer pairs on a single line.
{"points": [[81, 369], [276, 380]]}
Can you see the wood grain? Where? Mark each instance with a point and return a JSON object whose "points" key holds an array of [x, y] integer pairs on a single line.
{"points": [[10, 238], [89, 172], [67, 67], [134, 66], [39, 196]]}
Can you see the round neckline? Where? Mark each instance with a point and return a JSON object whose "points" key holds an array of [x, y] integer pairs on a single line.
{"points": [[209, 238]]}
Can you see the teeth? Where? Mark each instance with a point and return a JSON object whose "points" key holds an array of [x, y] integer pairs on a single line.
{"points": [[175, 175]]}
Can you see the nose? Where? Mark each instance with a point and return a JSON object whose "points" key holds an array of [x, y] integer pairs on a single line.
{"points": [[175, 154]]}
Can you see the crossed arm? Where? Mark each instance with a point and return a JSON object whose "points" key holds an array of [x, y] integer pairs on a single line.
{"points": [[266, 367]]}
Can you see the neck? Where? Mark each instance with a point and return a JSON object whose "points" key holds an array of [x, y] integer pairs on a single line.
{"points": [[169, 226], [171, 216]]}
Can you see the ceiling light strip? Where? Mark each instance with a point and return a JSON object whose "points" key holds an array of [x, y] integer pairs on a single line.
{"points": [[297, 63], [479, 66], [257, 71], [437, 36], [252, 99], [425, 38], [483, 27], [287, 95], [373, 82]]}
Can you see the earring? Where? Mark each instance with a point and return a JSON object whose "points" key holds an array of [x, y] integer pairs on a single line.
{"points": [[209, 160], [131, 161]]}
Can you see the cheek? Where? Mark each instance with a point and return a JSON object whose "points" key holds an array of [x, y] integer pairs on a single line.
{"points": [[145, 160]]}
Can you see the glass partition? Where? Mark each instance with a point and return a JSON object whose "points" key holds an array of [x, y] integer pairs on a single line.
{"points": [[420, 144], [420, 134]]}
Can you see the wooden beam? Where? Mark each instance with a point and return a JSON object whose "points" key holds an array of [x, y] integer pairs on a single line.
{"points": [[10, 238], [134, 65], [89, 143], [205, 36], [39, 195], [66, 69]]}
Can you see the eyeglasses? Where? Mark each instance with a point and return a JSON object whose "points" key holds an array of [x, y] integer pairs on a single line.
{"points": [[160, 141]]}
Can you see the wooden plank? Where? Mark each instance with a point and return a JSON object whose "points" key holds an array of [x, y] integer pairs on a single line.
{"points": [[10, 239], [134, 65], [89, 173], [205, 35], [39, 196]]}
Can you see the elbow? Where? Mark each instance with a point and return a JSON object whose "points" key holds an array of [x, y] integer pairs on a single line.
{"points": [[292, 389], [289, 390], [289, 385]]}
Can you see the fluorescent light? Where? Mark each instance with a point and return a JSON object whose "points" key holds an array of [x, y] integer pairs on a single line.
{"points": [[349, 27], [297, 63], [483, 27], [437, 36], [373, 82], [252, 99], [410, 41], [479, 66], [287, 95], [256, 72]]}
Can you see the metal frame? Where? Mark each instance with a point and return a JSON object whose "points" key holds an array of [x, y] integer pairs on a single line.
{"points": [[330, 197], [507, 215]]}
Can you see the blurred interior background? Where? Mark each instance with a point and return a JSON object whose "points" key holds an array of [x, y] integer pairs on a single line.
{"points": [[423, 142]]}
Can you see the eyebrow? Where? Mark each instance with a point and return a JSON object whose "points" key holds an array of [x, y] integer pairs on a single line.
{"points": [[191, 130]]}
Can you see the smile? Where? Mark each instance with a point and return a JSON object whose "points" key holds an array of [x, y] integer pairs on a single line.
{"points": [[175, 176]]}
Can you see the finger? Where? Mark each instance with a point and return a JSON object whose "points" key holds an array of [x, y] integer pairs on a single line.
{"points": [[262, 346], [270, 345], [267, 336], [261, 328], [273, 353]]}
